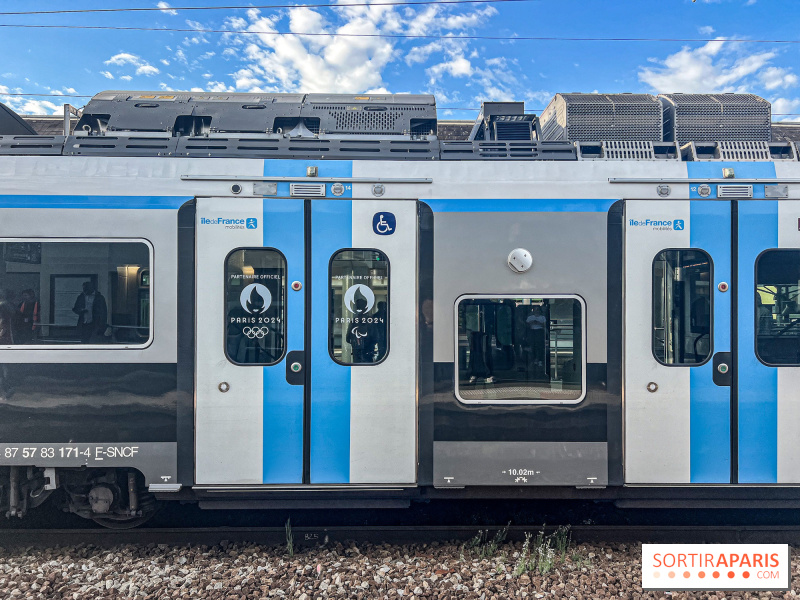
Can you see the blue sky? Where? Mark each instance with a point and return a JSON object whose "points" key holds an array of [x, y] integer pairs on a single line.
{"points": [[460, 72]]}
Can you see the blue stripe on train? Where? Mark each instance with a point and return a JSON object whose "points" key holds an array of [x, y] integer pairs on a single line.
{"points": [[331, 231], [283, 226], [709, 406], [95, 202], [517, 205], [758, 383]]}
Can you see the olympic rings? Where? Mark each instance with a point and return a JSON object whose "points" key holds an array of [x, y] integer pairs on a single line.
{"points": [[255, 332]]}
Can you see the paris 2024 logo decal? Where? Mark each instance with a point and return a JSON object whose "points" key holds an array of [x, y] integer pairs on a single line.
{"points": [[359, 299], [255, 300]]}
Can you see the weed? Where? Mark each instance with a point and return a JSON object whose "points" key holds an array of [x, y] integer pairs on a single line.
{"points": [[289, 538], [523, 561], [542, 553], [546, 559], [482, 546]]}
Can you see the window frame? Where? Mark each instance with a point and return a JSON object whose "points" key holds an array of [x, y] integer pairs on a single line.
{"points": [[90, 240], [584, 353], [755, 312], [285, 315], [711, 309], [388, 308]]}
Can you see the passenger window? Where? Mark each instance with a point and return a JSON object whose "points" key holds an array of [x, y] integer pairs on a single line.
{"points": [[777, 312], [519, 349], [682, 307], [359, 307], [255, 306], [61, 293]]}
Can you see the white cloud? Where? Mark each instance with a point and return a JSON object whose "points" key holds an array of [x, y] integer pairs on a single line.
{"points": [[706, 30], [775, 77], [218, 86], [28, 106], [786, 109], [126, 78], [165, 8], [148, 70], [165, 62], [715, 67], [322, 63], [457, 67], [126, 58], [107, 74]]}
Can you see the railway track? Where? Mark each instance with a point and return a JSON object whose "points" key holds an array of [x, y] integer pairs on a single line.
{"points": [[312, 536]]}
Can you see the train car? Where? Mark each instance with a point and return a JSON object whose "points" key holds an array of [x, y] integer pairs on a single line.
{"points": [[313, 301]]}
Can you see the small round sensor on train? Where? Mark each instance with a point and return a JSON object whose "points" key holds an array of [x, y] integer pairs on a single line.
{"points": [[520, 260], [236, 188]]}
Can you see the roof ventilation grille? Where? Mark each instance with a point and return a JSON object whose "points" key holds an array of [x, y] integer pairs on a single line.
{"points": [[744, 151]]}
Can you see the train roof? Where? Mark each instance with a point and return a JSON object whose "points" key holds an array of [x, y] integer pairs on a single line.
{"points": [[573, 126]]}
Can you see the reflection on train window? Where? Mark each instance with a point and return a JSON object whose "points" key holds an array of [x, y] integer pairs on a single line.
{"points": [[682, 307], [520, 349], [777, 312], [359, 307], [255, 306], [56, 293]]}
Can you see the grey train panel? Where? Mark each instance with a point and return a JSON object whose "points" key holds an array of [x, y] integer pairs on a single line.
{"points": [[88, 402], [569, 257], [504, 463]]}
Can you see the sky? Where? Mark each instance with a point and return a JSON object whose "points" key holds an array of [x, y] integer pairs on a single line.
{"points": [[451, 62]]}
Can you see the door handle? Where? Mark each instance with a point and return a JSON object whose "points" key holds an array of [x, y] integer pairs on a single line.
{"points": [[296, 367], [723, 368]]}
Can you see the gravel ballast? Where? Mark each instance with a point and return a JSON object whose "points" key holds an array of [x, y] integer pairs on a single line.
{"points": [[238, 571]]}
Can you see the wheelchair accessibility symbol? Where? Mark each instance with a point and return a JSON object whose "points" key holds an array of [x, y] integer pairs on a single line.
{"points": [[384, 223]]}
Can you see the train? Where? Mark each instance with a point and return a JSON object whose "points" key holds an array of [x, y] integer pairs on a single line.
{"points": [[258, 301]]}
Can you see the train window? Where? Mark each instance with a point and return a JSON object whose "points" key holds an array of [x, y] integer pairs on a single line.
{"points": [[358, 328], [682, 307], [514, 349], [255, 306], [62, 293], [777, 310]]}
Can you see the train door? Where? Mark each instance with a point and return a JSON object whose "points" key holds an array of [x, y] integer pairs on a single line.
{"points": [[677, 341], [306, 341], [768, 323]]}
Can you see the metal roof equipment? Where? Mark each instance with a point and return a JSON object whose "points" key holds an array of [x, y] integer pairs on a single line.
{"points": [[294, 115], [503, 122], [12, 124], [716, 117], [602, 117]]}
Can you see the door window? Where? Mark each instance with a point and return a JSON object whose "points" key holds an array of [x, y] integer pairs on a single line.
{"points": [[777, 311], [359, 307], [682, 307], [513, 349], [255, 306]]}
